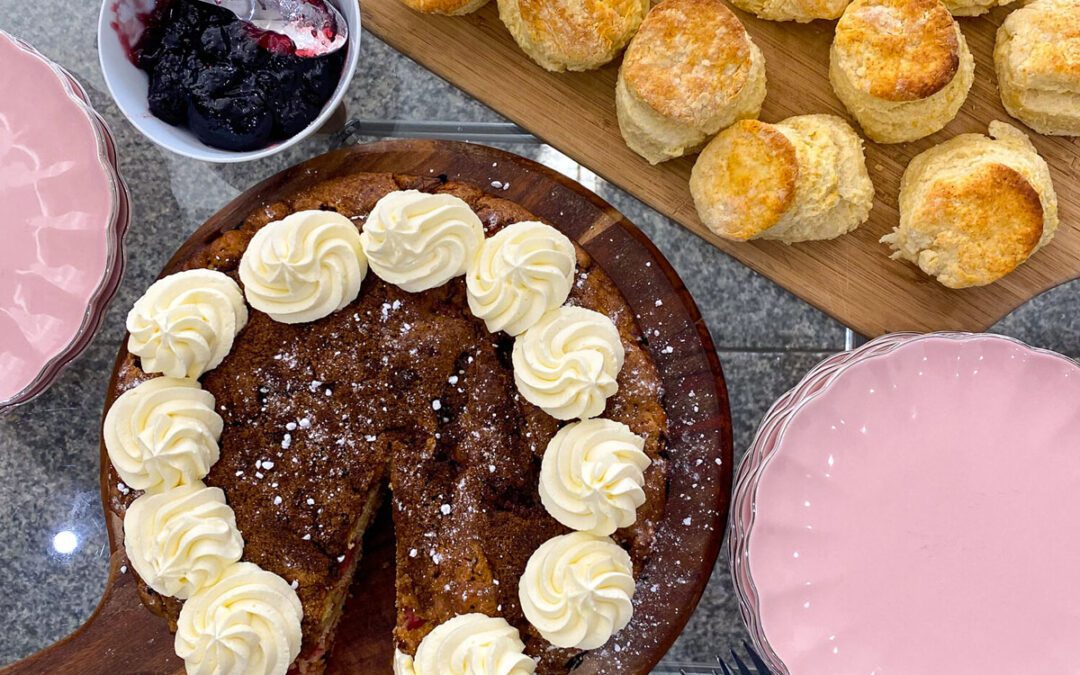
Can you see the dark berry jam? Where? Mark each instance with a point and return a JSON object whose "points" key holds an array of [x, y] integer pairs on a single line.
{"points": [[235, 87]]}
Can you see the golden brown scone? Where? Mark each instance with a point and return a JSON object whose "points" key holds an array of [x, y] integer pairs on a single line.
{"points": [[572, 34], [690, 71], [447, 7], [802, 179], [973, 208], [802, 11], [1037, 55], [902, 67], [974, 7]]}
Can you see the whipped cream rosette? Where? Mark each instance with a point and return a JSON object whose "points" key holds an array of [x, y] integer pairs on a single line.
{"points": [[248, 623], [182, 540], [469, 644], [185, 323], [567, 364], [522, 272], [163, 433], [592, 475], [418, 241], [577, 590], [304, 267]]}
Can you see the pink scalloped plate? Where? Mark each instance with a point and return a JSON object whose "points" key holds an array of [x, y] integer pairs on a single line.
{"points": [[65, 212], [914, 511]]}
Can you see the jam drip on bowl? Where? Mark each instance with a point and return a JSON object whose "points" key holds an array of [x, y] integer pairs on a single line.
{"points": [[235, 87]]}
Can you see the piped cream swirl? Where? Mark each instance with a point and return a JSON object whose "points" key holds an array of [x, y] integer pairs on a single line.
{"points": [[181, 540], [248, 623], [577, 590], [303, 267], [418, 241], [163, 433], [469, 644], [567, 364], [185, 323], [592, 475], [520, 273]]}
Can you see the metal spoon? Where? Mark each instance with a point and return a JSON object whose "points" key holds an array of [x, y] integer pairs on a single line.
{"points": [[314, 26]]}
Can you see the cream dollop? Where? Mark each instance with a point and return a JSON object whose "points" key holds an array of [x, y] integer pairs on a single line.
{"points": [[418, 241], [403, 663], [520, 273], [248, 623], [304, 267], [591, 476], [181, 540], [567, 364], [163, 433], [469, 644], [185, 323], [577, 590]]}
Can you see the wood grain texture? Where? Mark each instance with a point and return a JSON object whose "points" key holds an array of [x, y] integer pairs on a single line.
{"points": [[123, 637], [851, 278]]}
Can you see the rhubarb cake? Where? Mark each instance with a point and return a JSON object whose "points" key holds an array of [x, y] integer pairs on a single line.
{"points": [[388, 382]]}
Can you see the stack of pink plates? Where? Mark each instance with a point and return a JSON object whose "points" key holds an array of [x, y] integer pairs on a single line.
{"points": [[63, 213], [912, 507]]}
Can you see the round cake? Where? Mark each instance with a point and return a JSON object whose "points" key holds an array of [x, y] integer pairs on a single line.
{"points": [[409, 391]]}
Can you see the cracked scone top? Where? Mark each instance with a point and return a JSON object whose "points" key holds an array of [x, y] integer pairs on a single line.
{"points": [[974, 208]]}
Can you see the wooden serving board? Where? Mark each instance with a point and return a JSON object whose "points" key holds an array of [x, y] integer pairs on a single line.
{"points": [[122, 637], [850, 278]]}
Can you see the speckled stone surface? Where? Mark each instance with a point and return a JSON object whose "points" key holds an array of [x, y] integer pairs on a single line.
{"points": [[767, 338]]}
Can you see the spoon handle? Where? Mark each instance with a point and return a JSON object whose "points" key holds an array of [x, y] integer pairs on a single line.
{"points": [[244, 9]]}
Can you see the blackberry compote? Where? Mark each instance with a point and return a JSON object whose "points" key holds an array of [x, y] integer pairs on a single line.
{"points": [[235, 87]]}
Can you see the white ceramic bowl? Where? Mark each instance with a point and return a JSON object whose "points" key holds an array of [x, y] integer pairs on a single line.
{"points": [[128, 86]]}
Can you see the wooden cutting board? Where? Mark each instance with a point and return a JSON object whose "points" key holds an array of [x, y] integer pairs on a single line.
{"points": [[850, 278], [123, 638]]}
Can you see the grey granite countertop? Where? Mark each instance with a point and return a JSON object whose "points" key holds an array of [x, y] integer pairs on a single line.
{"points": [[766, 338]]}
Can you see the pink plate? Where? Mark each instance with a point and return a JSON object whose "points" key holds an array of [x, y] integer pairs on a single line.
{"points": [[914, 511], [65, 211]]}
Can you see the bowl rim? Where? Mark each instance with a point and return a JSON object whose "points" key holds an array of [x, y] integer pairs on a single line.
{"points": [[210, 154], [116, 231], [779, 418]]}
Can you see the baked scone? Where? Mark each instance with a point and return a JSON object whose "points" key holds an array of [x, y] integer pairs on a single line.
{"points": [[802, 11], [690, 71], [974, 208], [447, 7], [1037, 56], [973, 7], [798, 180], [902, 67], [572, 34]]}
